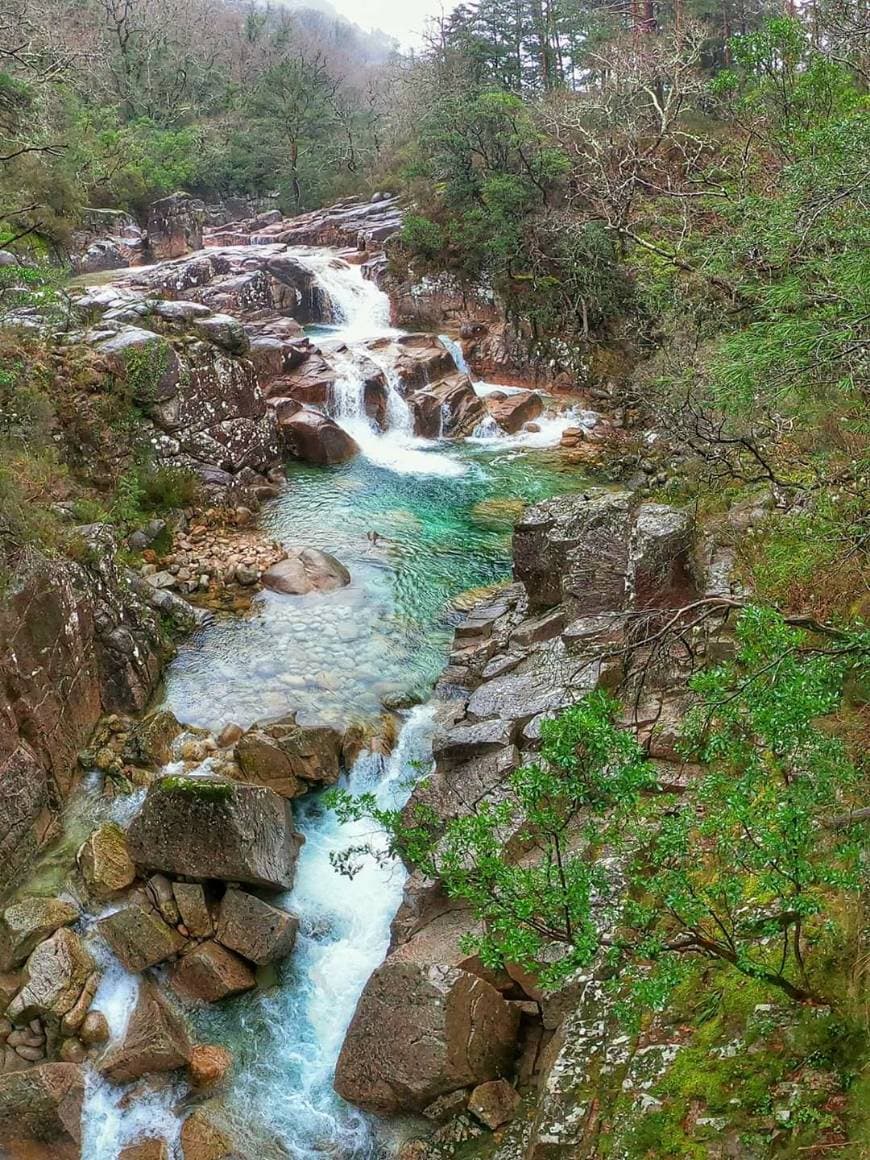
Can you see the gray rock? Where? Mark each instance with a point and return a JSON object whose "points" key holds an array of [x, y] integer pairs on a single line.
{"points": [[207, 827]]}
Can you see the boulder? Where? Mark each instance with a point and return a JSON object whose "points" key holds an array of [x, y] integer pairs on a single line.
{"points": [[54, 977], [203, 1136], [575, 548], [150, 741], [102, 254], [290, 758], [315, 438], [150, 1149], [41, 1112], [260, 932], [154, 1040], [209, 973], [208, 1065], [421, 1031], [309, 383], [306, 570], [145, 362], [453, 399], [512, 412], [139, 937], [174, 226], [193, 908], [105, 862], [94, 1029], [207, 827], [25, 924], [659, 555], [494, 1103]]}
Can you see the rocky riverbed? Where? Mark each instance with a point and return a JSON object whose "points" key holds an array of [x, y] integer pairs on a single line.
{"points": [[185, 972]]}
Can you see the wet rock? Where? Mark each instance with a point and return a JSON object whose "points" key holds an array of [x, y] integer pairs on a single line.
{"points": [[209, 1065], [494, 1103], [72, 1051], [41, 1111], [159, 890], [75, 1017], [209, 973], [193, 908], [512, 412], [290, 758], [54, 977], [105, 862], [229, 735], [466, 741], [155, 1040], [151, 1149], [206, 827], [25, 924], [420, 1032], [150, 742], [94, 1029], [460, 410], [139, 937], [260, 932], [304, 571], [204, 1137], [315, 438]]}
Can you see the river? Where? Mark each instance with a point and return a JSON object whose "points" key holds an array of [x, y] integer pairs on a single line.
{"points": [[421, 524]]}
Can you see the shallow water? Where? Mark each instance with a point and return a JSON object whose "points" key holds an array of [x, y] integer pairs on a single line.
{"points": [[387, 634]]}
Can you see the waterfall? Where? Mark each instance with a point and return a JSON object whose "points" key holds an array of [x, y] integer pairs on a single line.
{"points": [[361, 312], [454, 348], [358, 308]]}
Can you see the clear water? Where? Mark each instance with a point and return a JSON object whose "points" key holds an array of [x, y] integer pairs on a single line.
{"points": [[385, 636], [420, 524]]}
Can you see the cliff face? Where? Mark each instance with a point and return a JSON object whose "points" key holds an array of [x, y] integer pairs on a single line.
{"points": [[75, 642]]}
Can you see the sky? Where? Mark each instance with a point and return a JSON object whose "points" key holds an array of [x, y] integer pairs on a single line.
{"points": [[404, 19]]}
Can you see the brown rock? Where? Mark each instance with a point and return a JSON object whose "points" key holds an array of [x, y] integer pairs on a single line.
{"points": [[289, 758], [42, 1106], [150, 742], [494, 1103], [54, 977], [315, 438], [139, 937], [308, 570], [260, 932], [94, 1029], [193, 908], [420, 1031], [229, 735], [105, 862], [72, 1051], [204, 1138], [155, 1040], [511, 412], [25, 924], [208, 1065], [208, 827], [152, 1149], [209, 973], [10, 985]]}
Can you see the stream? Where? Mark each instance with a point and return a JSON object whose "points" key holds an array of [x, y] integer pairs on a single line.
{"points": [[422, 525]]}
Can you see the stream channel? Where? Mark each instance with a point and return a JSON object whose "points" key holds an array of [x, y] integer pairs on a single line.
{"points": [[420, 525]]}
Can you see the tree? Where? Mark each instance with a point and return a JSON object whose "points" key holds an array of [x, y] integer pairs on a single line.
{"points": [[740, 870]]}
